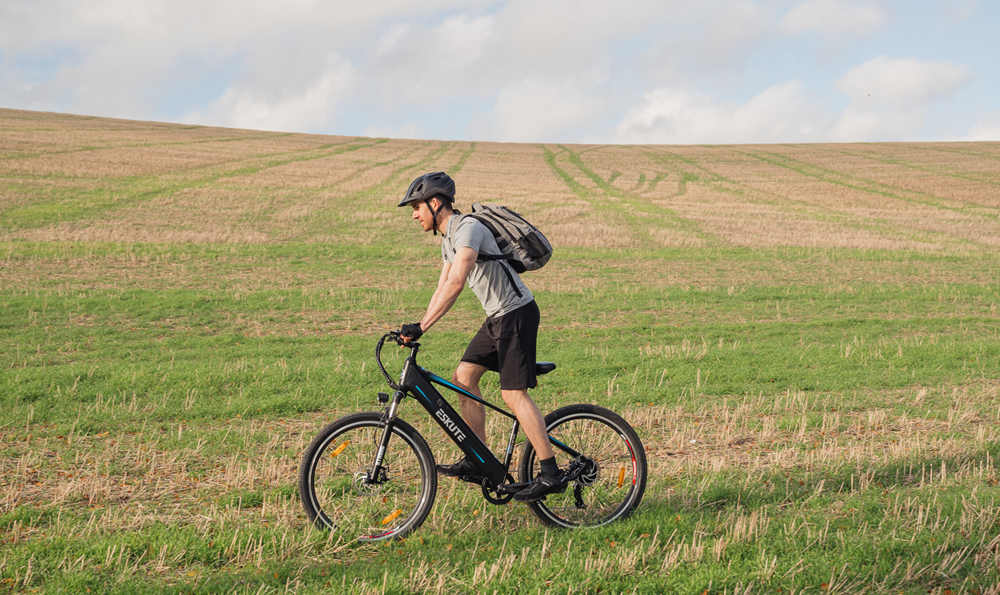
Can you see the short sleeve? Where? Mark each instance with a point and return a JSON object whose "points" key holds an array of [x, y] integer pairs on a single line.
{"points": [[470, 234]]}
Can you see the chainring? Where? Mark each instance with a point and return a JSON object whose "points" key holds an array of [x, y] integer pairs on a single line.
{"points": [[493, 495]]}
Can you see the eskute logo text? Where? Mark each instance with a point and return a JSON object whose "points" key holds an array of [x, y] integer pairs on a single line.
{"points": [[459, 434]]}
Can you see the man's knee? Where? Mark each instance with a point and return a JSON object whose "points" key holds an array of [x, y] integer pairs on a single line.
{"points": [[512, 397], [468, 375]]}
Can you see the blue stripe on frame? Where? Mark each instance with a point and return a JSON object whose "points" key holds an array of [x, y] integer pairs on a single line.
{"points": [[551, 439], [435, 378], [426, 398]]}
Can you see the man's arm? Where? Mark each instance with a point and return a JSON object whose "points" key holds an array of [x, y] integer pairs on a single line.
{"points": [[450, 284]]}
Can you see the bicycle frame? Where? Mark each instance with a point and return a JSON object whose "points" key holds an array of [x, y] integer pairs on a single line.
{"points": [[419, 383]]}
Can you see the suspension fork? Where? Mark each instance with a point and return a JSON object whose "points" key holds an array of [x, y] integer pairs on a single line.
{"points": [[390, 420]]}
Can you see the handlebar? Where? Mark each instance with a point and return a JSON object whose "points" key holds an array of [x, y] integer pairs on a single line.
{"points": [[397, 338]]}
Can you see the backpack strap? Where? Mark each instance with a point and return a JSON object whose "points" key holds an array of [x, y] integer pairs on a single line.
{"points": [[480, 257]]}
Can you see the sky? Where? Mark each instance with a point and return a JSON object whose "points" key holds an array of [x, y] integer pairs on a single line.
{"points": [[661, 71]]}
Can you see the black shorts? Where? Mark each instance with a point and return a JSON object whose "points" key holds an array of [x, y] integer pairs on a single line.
{"points": [[506, 344]]}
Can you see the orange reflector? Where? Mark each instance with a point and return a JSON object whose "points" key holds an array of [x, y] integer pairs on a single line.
{"points": [[340, 449], [392, 516], [621, 476]]}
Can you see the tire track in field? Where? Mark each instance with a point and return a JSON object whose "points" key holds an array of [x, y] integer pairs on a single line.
{"points": [[639, 183], [938, 171], [576, 187], [189, 169], [650, 183], [326, 188], [660, 176], [584, 193], [88, 148], [105, 199], [322, 220], [639, 211], [313, 193], [457, 167], [986, 154], [867, 186], [808, 209]]}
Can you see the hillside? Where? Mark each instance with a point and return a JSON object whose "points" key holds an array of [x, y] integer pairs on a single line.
{"points": [[806, 337]]}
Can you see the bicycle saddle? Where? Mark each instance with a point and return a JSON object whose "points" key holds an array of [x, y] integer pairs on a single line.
{"points": [[544, 368]]}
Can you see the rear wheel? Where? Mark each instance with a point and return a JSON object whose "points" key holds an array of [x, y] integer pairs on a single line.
{"points": [[340, 491], [606, 462]]}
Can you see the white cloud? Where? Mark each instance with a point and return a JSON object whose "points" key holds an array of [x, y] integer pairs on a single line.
{"points": [[986, 128], [122, 58], [834, 18], [542, 110], [783, 112], [406, 130], [961, 10], [902, 82], [414, 65], [706, 40], [570, 70], [890, 97], [309, 103], [197, 23]]}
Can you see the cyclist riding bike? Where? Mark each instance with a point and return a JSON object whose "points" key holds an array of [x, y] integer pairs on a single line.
{"points": [[506, 341]]}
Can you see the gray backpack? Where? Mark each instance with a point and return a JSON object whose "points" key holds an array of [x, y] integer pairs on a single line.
{"points": [[521, 244]]}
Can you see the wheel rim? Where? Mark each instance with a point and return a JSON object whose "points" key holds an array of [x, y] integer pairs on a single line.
{"points": [[349, 502], [610, 482]]}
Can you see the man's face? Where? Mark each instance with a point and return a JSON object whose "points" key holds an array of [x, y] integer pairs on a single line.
{"points": [[423, 214]]}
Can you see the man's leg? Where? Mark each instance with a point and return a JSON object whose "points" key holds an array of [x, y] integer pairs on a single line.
{"points": [[531, 421], [467, 376]]}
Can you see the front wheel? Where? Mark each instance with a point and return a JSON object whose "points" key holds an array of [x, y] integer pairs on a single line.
{"points": [[605, 460], [341, 491]]}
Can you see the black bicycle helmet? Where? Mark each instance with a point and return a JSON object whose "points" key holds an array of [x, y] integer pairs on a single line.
{"points": [[435, 184]]}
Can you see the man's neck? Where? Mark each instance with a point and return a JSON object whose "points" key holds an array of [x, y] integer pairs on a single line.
{"points": [[442, 220]]}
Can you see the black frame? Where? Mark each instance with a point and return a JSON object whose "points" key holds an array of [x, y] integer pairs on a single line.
{"points": [[417, 382]]}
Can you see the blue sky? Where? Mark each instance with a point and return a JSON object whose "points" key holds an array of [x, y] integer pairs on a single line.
{"points": [[716, 71]]}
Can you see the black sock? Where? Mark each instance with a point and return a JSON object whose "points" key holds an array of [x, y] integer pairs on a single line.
{"points": [[549, 467]]}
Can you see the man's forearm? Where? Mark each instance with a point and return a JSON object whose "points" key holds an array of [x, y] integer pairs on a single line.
{"points": [[442, 301]]}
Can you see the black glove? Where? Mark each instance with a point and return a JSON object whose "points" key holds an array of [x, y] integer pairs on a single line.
{"points": [[411, 331]]}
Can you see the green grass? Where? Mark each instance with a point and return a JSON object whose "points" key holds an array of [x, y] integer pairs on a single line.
{"points": [[816, 419]]}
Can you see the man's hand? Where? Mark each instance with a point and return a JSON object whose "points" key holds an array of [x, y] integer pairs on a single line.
{"points": [[411, 332]]}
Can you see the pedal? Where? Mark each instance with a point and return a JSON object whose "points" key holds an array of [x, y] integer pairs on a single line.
{"points": [[512, 488], [383, 398]]}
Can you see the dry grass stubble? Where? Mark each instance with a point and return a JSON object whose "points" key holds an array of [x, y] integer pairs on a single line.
{"points": [[126, 481]]}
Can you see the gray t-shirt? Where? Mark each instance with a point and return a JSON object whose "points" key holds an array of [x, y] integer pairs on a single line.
{"points": [[486, 279]]}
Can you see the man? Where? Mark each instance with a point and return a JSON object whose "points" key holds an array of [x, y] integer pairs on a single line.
{"points": [[506, 341]]}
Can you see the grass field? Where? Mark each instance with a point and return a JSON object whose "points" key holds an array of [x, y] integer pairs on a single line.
{"points": [[806, 337]]}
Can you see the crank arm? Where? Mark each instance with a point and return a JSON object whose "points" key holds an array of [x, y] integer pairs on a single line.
{"points": [[512, 488]]}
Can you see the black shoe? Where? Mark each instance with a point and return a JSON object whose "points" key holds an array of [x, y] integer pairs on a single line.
{"points": [[542, 486], [462, 469]]}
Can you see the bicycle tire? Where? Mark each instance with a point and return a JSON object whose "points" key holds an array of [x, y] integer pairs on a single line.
{"points": [[605, 438], [333, 473]]}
